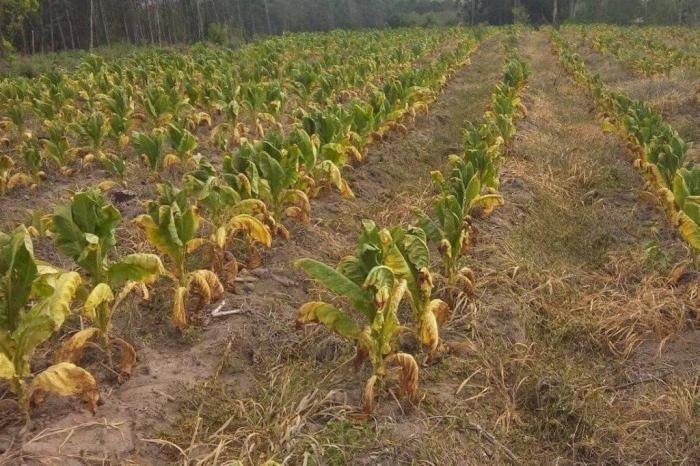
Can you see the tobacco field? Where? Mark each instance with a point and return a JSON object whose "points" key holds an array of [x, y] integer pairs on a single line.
{"points": [[426, 246]]}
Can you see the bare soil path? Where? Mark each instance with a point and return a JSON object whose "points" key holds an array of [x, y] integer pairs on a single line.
{"points": [[584, 339]]}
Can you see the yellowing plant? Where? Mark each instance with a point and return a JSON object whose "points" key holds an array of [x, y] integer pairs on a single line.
{"points": [[84, 230], [34, 301], [171, 226]]}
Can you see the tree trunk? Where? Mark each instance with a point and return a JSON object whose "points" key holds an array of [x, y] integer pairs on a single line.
{"points": [[150, 21], [200, 22], [41, 29], [53, 42], [63, 36], [92, 24], [267, 18], [70, 24], [572, 8], [241, 23], [555, 12], [158, 28], [104, 21], [24, 39], [126, 27]]}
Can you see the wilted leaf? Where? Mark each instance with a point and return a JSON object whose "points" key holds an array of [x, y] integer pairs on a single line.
{"points": [[72, 349], [252, 227], [136, 268], [689, 230], [65, 379], [179, 308], [127, 289], [440, 309], [428, 330], [409, 373], [207, 284], [57, 305], [368, 395], [127, 360], [482, 206]]}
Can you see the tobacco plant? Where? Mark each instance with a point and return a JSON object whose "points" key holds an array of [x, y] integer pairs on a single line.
{"points": [[233, 220], [35, 300], [84, 231], [686, 193], [450, 225], [171, 226], [372, 326], [151, 147], [92, 130], [270, 173], [9, 179], [182, 143]]}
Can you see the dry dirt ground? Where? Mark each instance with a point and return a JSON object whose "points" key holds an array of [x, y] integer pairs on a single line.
{"points": [[579, 348]]}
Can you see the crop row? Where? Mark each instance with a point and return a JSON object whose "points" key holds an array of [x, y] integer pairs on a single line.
{"points": [[658, 150], [201, 228], [394, 264], [644, 50], [163, 106]]}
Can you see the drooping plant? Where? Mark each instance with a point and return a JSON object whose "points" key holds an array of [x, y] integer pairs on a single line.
{"points": [[35, 300], [686, 193], [270, 173], [171, 226], [9, 179], [92, 130], [84, 230], [405, 252], [372, 325], [233, 219]]}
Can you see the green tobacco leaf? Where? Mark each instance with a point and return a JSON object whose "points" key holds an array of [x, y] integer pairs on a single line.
{"points": [[338, 283], [18, 271], [84, 230], [34, 329], [416, 251], [273, 172], [381, 278], [353, 268]]}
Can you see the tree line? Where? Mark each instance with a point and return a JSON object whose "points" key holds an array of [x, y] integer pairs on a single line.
{"points": [[32, 26]]}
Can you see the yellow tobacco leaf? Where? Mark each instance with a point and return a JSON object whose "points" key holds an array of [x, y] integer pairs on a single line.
{"points": [[65, 379], [72, 349], [99, 295]]}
